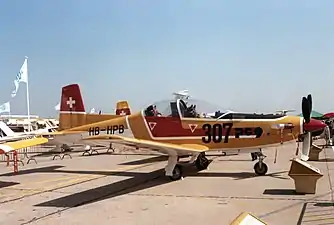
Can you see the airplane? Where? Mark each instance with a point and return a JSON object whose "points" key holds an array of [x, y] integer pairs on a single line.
{"points": [[10, 141], [329, 115], [179, 131], [328, 133], [7, 134]]}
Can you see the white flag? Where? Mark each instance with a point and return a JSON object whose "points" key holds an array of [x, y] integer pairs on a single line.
{"points": [[22, 76], [57, 107], [5, 107]]}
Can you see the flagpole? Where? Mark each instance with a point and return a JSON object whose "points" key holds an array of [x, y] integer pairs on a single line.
{"points": [[28, 102]]}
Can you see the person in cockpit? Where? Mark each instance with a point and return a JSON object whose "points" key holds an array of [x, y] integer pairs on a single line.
{"points": [[155, 111], [191, 111], [152, 111]]}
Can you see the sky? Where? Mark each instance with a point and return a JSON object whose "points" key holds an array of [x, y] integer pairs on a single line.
{"points": [[241, 55]]}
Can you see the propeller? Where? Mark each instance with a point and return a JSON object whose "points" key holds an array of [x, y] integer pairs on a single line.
{"points": [[309, 98], [306, 110]]}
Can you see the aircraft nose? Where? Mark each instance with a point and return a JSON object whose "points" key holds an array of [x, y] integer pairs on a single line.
{"points": [[314, 125]]}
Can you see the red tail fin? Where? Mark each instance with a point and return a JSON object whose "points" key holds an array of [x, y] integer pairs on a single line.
{"points": [[71, 100], [123, 108]]}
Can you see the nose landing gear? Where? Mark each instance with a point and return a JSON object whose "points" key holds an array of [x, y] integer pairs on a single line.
{"points": [[260, 168]]}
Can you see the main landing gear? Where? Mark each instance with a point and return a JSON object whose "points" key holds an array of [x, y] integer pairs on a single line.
{"points": [[260, 168], [174, 170]]}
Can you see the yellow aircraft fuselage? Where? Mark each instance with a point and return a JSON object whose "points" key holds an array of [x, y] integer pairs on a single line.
{"points": [[213, 133]]}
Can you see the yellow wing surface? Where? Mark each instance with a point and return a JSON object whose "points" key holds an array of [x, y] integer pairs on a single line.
{"points": [[11, 146], [170, 149], [59, 133]]}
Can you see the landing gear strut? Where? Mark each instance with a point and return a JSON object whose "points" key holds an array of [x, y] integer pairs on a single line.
{"points": [[177, 173], [172, 170], [260, 167], [201, 162]]}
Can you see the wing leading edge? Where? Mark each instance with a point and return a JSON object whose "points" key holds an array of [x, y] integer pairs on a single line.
{"points": [[15, 145], [170, 149]]}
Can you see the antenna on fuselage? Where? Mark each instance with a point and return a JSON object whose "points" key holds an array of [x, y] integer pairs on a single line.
{"points": [[285, 111]]}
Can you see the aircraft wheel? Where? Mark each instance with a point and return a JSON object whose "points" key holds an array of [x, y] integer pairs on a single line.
{"points": [[260, 170], [177, 173], [201, 162]]}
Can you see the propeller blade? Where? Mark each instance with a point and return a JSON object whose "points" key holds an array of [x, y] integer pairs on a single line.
{"points": [[306, 147], [306, 110], [309, 98]]}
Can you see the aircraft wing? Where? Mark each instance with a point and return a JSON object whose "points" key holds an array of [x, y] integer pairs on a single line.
{"points": [[59, 133], [13, 138], [168, 148], [14, 145]]}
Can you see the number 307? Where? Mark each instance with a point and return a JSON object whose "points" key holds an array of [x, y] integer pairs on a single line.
{"points": [[214, 133]]}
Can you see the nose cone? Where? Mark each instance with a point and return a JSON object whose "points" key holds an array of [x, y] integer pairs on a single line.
{"points": [[314, 125]]}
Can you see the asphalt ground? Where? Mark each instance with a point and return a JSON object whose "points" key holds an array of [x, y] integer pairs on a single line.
{"points": [[129, 187]]}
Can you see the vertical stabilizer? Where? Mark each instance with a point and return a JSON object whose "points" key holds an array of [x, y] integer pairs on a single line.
{"points": [[72, 110]]}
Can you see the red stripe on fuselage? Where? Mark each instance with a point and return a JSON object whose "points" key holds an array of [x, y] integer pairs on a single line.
{"points": [[172, 127]]}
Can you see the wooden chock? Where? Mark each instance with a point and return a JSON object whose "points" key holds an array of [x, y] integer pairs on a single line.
{"points": [[247, 218], [305, 176], [314, 152]]}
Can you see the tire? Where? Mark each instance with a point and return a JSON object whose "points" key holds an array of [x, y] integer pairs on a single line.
{"points": [[260, 171], [177, 173], [201, 162]]}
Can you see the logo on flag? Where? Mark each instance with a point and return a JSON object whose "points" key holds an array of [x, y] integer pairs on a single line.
{"points": [[21, 76], [5, 108]]}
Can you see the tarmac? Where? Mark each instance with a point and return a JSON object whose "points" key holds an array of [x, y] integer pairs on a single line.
{"points": [[129, 187]]}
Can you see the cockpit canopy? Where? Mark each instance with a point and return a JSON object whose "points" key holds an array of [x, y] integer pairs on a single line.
{"points": [[199, 109], [183, 108]]}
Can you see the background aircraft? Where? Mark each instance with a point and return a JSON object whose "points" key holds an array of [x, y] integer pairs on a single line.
{"points": [[178, 131], [9, 146]]}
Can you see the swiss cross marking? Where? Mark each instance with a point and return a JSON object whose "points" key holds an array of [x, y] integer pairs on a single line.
{"points": [[70, 102]]}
